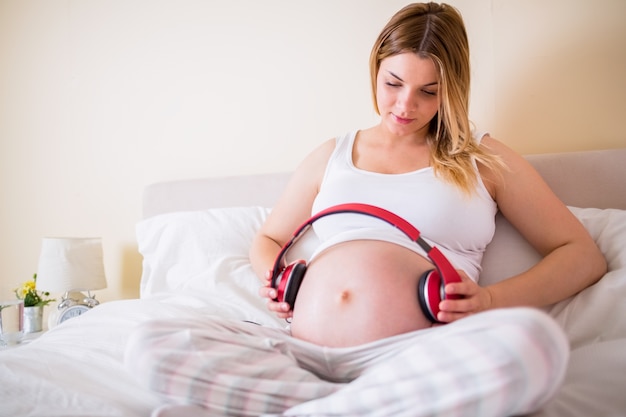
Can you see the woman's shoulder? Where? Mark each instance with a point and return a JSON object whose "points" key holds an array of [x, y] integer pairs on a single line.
{"points": [[509, 162], [498, 148], [312, 167], [326, 148]]}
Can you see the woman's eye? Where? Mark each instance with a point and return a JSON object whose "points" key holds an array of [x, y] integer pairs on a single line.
{"points": [[390, 84], [429, 93]]}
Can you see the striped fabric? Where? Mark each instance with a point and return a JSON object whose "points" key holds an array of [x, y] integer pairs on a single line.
{"points": [[498, 363]]}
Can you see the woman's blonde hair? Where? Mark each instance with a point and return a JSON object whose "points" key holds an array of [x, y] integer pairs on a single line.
{"points": [[437, 31]]}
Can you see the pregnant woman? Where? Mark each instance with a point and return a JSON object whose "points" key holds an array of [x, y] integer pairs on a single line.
{"points": [[359, 343]]}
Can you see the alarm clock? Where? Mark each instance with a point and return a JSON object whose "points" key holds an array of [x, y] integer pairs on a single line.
{"points": [[72, 306], [71, 312]]}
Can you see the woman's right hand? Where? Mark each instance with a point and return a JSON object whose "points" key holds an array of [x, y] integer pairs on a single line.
{"points": [[282, 309]]}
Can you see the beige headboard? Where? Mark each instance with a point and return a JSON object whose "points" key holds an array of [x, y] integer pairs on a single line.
{"points": [[582, 179], [586, 179]]}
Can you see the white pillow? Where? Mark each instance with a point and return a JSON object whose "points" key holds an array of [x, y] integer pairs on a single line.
{"points": [[598, 312], [507, 254], [198, 252]]}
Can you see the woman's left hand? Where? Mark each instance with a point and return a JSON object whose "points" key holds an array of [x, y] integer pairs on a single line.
{"points": [[472, 299]]}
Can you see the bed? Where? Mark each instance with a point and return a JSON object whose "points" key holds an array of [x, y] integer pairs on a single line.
{"points": [[194, 239]]}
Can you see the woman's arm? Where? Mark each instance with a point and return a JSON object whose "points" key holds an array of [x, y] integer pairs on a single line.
{"points": [[292, 209], [571, 260]]}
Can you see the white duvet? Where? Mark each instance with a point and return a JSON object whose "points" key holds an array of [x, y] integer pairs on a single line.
{"points": [[196, 263], [77, 369]]}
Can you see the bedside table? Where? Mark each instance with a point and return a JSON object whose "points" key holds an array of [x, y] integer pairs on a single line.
{"points": [[26, 339]]}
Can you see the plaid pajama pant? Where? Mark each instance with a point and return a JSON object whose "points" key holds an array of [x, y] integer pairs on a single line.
{"points": [[497, 363]]}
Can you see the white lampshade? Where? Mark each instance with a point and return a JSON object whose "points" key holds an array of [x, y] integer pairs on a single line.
{"points": [[71, 264]]}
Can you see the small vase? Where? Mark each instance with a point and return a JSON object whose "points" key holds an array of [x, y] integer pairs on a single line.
{"points": [[33, 319]]}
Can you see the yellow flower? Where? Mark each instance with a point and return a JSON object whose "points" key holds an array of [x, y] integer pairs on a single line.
{"points": [[28, 292], [22, 292]]}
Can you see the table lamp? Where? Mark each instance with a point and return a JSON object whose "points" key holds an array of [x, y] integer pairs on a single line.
{"points": [[71, 265]]}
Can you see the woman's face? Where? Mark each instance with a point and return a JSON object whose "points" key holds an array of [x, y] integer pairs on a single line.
{"points": [[407, 93]]}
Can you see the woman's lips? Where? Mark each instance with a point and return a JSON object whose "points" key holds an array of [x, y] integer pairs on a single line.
{"points": [[402, 120]]}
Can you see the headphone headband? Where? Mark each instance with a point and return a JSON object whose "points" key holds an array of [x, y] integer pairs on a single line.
{"points": [[440, 261], [431, 285]]}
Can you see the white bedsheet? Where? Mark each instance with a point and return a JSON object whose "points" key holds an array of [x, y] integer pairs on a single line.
{"points": [[77, 369]]}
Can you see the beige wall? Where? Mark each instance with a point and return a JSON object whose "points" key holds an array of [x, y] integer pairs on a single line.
{"points": [[100, 97]]}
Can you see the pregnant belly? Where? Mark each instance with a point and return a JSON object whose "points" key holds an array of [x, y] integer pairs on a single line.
{"points": [[359, 291]]}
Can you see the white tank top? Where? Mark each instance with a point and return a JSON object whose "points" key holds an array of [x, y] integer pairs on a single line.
{"points": [[461, 226]]}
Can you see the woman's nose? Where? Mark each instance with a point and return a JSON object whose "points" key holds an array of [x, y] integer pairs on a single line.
{"points": [[406, 101]]}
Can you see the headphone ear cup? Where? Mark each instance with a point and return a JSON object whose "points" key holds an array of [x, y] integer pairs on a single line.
{"points": [[430, 293], [288, 281], [296, 275]]}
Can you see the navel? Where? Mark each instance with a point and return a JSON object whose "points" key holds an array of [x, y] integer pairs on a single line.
{"points": [[345, 296]]}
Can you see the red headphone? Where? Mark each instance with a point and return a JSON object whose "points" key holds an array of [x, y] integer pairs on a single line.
{"points": [[430, 291]]}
